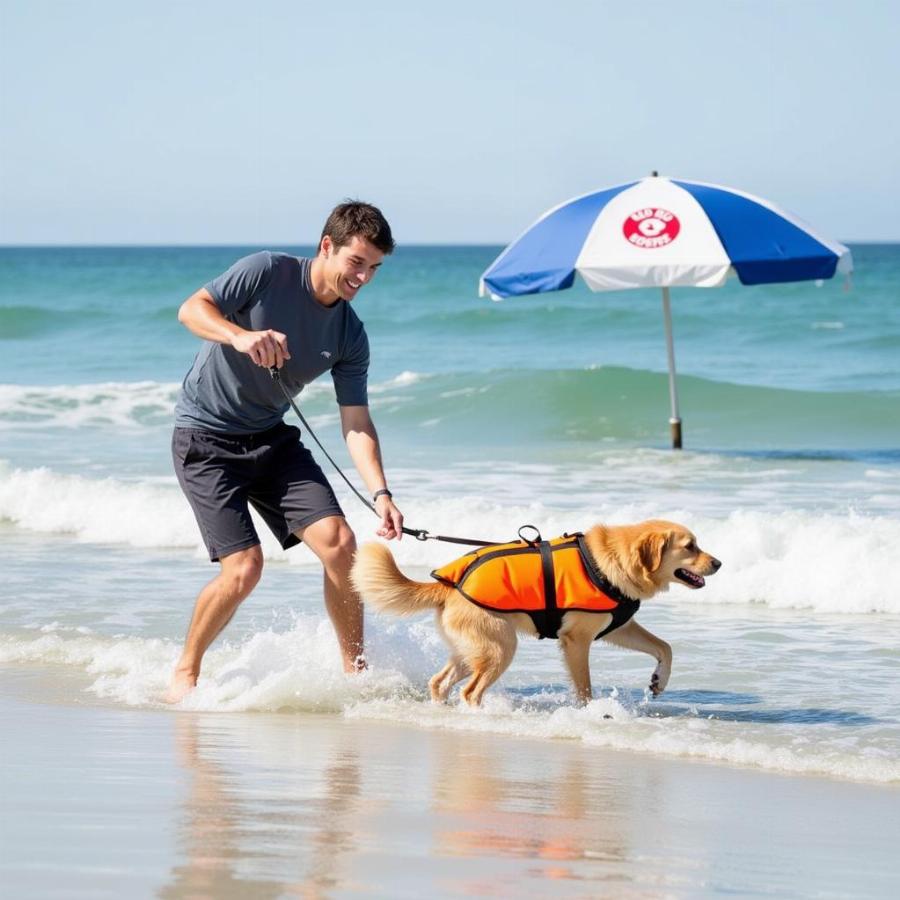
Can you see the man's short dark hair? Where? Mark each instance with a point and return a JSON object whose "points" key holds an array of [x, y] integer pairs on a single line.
{"points": [[353, 218]]}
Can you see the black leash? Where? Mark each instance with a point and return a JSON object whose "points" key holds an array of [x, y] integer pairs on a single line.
{"points": [[420, 534]]}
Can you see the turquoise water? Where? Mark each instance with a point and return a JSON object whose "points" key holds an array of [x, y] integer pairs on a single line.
{"points": [[550, 409], [801, 364], [108, 313]]}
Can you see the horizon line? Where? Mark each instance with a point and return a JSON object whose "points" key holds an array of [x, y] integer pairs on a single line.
{"points": [[27, 245], [190, 245]]}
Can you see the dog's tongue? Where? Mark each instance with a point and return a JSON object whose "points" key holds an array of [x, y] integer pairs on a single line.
{"points": [[690, 578]]}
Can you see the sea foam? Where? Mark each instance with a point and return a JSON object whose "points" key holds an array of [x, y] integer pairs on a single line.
{"points": [[826, 562], [133, 404], [271, 672]]}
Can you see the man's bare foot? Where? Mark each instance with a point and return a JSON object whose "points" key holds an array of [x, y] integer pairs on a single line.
{"points": [[182, 683], [353, 666]]}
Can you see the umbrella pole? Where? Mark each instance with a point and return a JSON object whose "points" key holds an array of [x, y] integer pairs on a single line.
{"points": [[675, 419]]}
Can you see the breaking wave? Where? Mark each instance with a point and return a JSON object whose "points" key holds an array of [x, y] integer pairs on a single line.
{"points": [[791, 559]]}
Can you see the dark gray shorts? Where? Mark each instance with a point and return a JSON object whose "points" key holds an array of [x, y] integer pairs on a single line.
{"points": [[222, 474]]}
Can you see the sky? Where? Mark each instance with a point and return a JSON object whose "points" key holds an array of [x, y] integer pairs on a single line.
{"points": [[244, 123]]}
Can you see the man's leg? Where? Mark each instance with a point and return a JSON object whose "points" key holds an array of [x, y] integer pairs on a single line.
{"points": [[333, 542], [239, 574]]}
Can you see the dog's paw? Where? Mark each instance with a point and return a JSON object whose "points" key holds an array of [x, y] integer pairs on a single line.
{"points": [[658, 680]]}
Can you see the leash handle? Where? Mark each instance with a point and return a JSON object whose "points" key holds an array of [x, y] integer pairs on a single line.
{"points": [[420, 534]]}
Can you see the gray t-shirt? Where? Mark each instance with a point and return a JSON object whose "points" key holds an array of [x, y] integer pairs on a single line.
{"points": [[225, 391]]}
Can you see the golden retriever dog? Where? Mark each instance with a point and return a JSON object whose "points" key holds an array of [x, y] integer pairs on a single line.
{"points": [[632, 563]]}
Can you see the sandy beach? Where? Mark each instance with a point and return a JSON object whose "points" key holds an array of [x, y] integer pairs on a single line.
{"points": [[102, 801]]}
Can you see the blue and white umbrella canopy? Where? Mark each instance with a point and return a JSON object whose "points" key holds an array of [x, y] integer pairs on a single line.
{"points": [[663, 232]]}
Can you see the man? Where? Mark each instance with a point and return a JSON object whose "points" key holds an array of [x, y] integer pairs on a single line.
{"points": [[231, 447]]}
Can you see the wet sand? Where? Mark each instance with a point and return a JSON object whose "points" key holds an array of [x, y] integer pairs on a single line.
{"points": [[103, 801]]}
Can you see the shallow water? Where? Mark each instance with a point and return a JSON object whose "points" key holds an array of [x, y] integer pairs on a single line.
{"points": [[777, 689]]}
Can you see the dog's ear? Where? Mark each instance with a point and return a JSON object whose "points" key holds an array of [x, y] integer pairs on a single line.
{"points": [[652, 548]]}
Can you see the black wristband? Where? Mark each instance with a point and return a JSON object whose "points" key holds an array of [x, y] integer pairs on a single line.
{"points": [[384, 492]]}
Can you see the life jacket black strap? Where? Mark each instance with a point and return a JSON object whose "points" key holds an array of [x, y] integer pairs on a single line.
{"points": [[597, 577], [622, 614], [548, 575], [626, 606], [548, 621]]}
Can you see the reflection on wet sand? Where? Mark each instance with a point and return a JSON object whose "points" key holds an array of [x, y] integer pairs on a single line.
{"points": [[243, 811], [308, 806], [552, 812], [110, 803], [209, 833]]}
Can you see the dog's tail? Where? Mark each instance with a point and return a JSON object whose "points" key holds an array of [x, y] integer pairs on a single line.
{"points": [[380, 583]]}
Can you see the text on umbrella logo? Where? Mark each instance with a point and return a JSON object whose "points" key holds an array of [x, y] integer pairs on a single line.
{"points": [[651, 227]]}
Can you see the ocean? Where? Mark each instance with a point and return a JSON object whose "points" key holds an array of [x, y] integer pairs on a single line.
{"points": [[550, 410]]}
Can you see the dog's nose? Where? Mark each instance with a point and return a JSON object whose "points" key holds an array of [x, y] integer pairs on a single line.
{"points": [[716, 564]]}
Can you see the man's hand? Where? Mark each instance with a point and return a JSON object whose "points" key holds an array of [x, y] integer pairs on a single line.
{"points": [[200, 315], [265, 348], [391, 519]]}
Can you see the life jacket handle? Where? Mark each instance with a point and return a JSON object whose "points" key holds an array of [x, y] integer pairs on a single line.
{"points": [[533, 541]]}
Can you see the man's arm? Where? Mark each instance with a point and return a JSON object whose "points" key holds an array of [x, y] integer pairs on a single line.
{"points": [[200, 315], [362, 442]]}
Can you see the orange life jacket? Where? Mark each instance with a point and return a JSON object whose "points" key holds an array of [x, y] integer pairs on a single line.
{"points": [[544, 579]]}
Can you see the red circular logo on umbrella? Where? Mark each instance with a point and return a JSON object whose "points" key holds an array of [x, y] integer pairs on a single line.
{"points": [[651, 227]]}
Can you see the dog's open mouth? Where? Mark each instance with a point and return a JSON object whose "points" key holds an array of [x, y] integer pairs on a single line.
{"points": [[689, 578]]}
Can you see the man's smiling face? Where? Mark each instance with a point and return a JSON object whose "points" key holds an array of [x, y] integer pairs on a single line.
{"points": [[346, 269]]}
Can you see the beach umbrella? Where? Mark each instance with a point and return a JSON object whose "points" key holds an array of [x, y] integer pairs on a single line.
{"points": [[663, 232]]}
